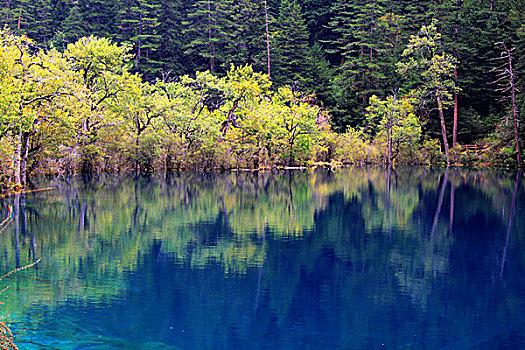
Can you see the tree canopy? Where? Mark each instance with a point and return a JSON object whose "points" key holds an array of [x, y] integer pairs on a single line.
{"points": [[147, 84]]}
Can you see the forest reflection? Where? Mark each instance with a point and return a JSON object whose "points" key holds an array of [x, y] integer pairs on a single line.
{"points": [[402, 226]]}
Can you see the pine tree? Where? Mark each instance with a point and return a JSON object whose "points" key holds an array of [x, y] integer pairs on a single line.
{"points": [[5, 13], [362, 42], [320, 75], [211, 29], [507, 81], [317, 15], [291, 46], [59, 12], [73, 27], [139, 25], [249, 37], [171, 15], [481, 27], [22, 16], [100, 16], [9, 13], [515, 36], [418, 12], [33, 18], [340, 26]]}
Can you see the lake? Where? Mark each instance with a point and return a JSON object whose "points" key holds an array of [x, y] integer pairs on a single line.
{"points": [[358, 258]]}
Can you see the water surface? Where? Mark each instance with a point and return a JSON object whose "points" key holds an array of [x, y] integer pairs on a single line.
{"points": [[360, 258]]}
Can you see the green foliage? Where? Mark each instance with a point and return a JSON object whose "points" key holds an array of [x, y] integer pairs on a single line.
{"points": [[365, 37], [170, 52], [210, 28], [248, 44], [73, 27], [84, 109], [35, 92], [430, 152], [432, 72], [291, 46], [353, 148], [139, 23], [434, 69], [102, 72], [342, 51], [239, 112], [395, 126]]}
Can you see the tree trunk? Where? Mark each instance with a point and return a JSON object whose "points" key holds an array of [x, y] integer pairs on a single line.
{"points": [[389, 145], [137, 147], [389, 132], [267, 37], [23, 157], [16, 164], [19, 19], [443, 128], [169, 163], [455, 127], [507, 71], [139, 43], [514, 110], [388, 193]]}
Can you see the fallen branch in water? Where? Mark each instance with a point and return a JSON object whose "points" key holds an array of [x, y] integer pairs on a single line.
{"points": [[26, 191], [20, 269]]}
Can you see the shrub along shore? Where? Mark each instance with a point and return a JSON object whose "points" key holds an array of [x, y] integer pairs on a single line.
{"points": [[83, 110]]}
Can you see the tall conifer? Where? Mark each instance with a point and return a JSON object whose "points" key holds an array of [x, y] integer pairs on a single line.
{"points": [[249, 36], [139, 25], [74, 26], [211, 29], [291, 46], [171, 15]]}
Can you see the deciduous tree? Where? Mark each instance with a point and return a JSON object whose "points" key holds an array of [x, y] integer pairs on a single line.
{"points": [[436, 71], [395, 124]]}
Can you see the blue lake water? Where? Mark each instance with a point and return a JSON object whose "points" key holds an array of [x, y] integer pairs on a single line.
{"points": [[359, 258]]}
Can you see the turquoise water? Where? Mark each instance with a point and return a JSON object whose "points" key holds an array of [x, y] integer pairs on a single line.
{"points": [[360, 258]]}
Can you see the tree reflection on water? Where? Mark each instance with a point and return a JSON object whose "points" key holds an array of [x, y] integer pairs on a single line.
{"points": [[359, 249]]}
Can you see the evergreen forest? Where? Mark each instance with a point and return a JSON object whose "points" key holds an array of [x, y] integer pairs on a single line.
{"points": [[144, 85]]}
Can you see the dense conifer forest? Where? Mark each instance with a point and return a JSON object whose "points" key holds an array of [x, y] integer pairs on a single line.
{"points": [[90, 85]]}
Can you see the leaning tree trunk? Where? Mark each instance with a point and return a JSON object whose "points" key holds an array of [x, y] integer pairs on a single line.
{"points": [[443, 129]]}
